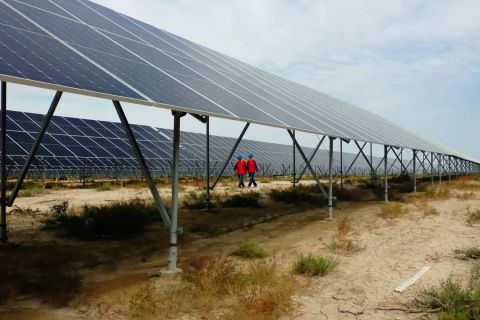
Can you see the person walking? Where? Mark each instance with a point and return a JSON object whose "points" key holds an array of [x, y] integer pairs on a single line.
{"points": [[241, 169], [252, 169]]}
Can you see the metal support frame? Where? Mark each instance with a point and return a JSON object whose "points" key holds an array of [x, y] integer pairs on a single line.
{"points": [[294, 165], [295, 143], [207, 160], [439, 165], [341, 163], [172, 251], [33, 150], [143, 164], [230, 155], [310, 158], [414, 172], [400, 158], [385, 173], [330, 180], [356, 157], [3, 182]]}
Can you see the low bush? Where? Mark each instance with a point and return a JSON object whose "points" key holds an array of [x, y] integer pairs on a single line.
{"points": [[472, 253], [452, 300], [250, 251], [117, 220], [297, 195], [473, 216], [247, 199], [437, 192], [104, 187], [392, 210], [196, 201], [314, 266]]}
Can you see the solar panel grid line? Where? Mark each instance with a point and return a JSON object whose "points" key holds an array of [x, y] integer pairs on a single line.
{"points": [[279, 91], [159, 69], [266, 100], [290, 103], [214, 70], [137, 99]]}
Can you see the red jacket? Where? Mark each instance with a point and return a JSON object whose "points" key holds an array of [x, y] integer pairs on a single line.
{"points": [[241, 167], [252, 165]]}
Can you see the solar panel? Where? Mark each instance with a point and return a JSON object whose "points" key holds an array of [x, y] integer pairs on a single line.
{"points": [[77, 144], [82, 47]]}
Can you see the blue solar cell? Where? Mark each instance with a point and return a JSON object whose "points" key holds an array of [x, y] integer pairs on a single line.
{"points": [[14, 150], [58, 150], [42, 58], [47, 5], [90, 17]]}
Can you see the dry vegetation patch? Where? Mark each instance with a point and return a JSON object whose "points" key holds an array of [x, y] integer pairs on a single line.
{"points": [[392, 210], [216, 288], [341, 242], [250, 250], [473, 215]]}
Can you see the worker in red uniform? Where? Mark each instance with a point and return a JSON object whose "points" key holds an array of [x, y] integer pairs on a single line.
{"points": [[252, 169], [241, 169]]}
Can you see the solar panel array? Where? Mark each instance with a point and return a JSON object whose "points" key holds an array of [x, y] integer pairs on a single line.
{"points": [[78, 144], [73, 146], [79, 46]]}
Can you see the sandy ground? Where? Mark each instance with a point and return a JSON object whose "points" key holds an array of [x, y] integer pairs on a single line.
{"points": [[390, 252]]}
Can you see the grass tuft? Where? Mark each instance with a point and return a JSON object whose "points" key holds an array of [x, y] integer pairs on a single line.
{"points": [[104, 187], [473, 216], [392, 210], [472, 253], [452, 300], [314, 266], [250, 251]]}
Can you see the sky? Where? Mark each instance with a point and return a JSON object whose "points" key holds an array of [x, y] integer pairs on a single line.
{"points": [[414, 62]]}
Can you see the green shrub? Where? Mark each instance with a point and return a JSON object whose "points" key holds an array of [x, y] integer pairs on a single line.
{"points": [[103, 187], [314, 266], [196, 201], [296, 195], [117, 220], [250, 251], [472, 253], [453, 301], [247, 199]]}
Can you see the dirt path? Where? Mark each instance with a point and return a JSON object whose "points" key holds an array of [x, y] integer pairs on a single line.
{"points": [[391, 250]]}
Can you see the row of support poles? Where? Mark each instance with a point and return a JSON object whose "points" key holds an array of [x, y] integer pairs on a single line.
{"points": [[3, 183], [341, 163]]}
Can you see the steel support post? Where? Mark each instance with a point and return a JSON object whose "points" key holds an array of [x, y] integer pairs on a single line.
{"points": [[143, 164], [172, 252], [385, 173], [310, 158], [414, 171], [371, 163], [302, 154], [207, 159], [330, 179], [33, 150], [449, 159], [3, 183], [431, 167], [341, 164], [294, 167], [439, 162], [230, 155]]}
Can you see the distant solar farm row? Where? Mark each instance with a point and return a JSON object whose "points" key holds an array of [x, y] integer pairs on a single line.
{"points": [[76, 147]]}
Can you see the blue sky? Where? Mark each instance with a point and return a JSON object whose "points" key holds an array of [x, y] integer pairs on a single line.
{"points": [[414, 62]]}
